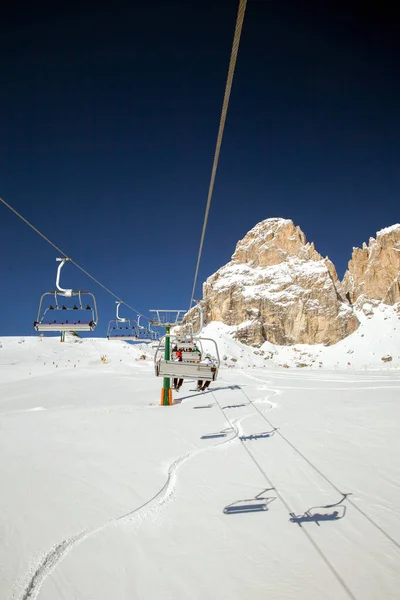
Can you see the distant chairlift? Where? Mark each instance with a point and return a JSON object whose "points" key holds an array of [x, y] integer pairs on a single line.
{"points": [[121, 328], [146, 333], [192, 347], [82, 316]]}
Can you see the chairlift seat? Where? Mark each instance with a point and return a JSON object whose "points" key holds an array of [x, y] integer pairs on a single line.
{"points": [[129, 336], [122, 329], [122, 336], [249, 506], [190, 357], [184, 344], [184, 370], [55, 326]]}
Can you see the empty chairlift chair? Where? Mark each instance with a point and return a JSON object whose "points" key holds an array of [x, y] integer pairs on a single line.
{"points": [[122, 328], [57, 316], [146, 333]]}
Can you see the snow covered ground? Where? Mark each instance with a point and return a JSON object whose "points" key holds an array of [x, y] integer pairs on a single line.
{"points": [[377, 337], [239, 492]]}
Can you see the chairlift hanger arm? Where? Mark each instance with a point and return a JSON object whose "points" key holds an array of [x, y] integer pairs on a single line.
{"points": [[120, 319], [65, 292]]}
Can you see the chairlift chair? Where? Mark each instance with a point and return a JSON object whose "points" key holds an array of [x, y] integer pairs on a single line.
{"points": [[190, 367], [122, 328], [192, 350], [146, 333], [82, 316], [192, 347]]}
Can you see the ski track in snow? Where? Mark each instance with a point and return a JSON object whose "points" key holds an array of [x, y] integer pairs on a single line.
{"points": [[339, 389], [150, 508], [262, 399]]}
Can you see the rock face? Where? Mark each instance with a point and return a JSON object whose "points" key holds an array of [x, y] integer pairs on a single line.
{"points": [[277, 287], [374, 269]]}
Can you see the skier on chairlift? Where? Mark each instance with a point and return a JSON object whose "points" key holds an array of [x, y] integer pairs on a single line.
{"points": [[178, 382], [203, 385]]}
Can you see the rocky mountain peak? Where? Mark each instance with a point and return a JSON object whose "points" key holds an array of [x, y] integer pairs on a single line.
{"points": [[374, 270], [271, 242], [277, 287]]}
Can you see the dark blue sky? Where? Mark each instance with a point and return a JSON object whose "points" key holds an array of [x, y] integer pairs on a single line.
{"points": [[108, 126]]}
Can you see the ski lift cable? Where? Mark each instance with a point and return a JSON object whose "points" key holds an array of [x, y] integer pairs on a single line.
{"points": [[326, 560], [228, 87], [69, 258], [321, 474]]}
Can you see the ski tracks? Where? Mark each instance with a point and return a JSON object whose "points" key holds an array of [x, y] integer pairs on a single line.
{"points": [[150, 509], [47, 564], [262, 388]]}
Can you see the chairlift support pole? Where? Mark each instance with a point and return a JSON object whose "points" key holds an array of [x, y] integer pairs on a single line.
{"points": [[166, 392], [164, 321]]}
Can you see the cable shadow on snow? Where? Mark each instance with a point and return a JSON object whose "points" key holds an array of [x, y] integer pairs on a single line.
{"points": [[250, 505], [318, 514]]}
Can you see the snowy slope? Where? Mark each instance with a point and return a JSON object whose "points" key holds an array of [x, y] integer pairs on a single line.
{"points": [[33, 356], [378, 336], [105, 494]]}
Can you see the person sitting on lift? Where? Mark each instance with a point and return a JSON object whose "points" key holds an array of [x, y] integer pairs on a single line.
{"points": [[178, 382], [203, 385]]}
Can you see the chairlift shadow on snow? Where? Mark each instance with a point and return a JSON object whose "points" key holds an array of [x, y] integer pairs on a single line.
{"points": [[317, 514], [250, 505], [257, 436], [177, 401], [209, 391], [218, 434], [218, 389], [235, 405]]}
